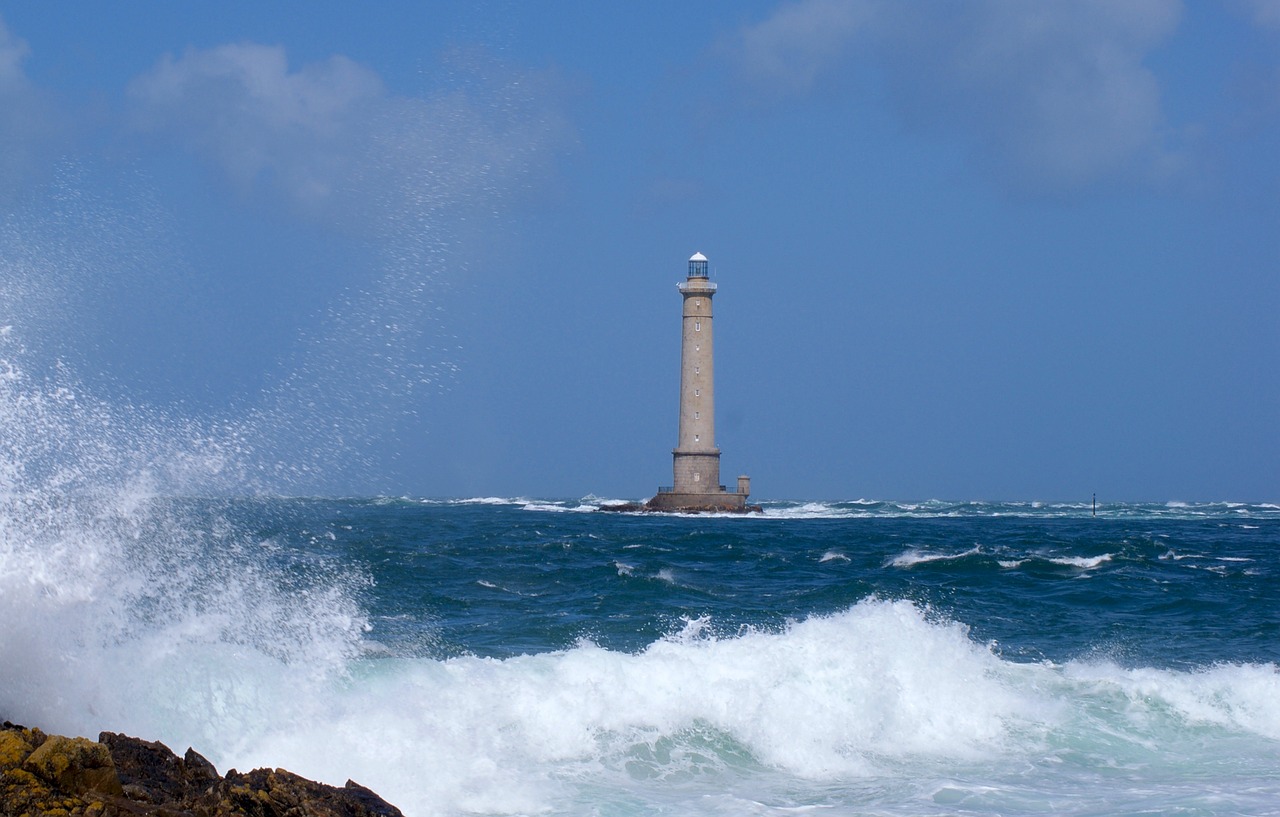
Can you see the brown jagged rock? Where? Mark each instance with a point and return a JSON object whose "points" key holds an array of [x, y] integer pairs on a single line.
{"points": [[151, 773], [16, 744], [278, 793], [30, 787], [122, 776], [76, 766]]}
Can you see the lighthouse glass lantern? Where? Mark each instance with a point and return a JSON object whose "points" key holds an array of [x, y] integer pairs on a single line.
{"points": [[698, 266]]}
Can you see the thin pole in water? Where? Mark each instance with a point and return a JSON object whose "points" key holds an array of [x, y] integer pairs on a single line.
{"points": [[1095, 503]]}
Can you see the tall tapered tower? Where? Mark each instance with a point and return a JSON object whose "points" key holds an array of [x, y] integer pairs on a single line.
{"points": [[695, 459]]}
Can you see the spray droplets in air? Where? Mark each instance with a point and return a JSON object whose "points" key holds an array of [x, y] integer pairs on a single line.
{"points": [[130, 608], [419, 186]]}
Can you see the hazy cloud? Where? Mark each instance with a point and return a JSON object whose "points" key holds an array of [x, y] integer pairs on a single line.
{"points": [[788, 51], [24, 116], [1264, 13], [1054, 95], [12, 52]]}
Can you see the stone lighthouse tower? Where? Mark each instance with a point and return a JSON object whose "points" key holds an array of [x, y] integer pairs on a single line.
{"points": [[696, 460]]}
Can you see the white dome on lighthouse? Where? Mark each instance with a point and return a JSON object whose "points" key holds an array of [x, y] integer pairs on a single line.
{"points": [[697, 256]]}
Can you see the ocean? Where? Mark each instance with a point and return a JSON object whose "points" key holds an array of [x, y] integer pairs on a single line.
{"points": [[513, 656]]}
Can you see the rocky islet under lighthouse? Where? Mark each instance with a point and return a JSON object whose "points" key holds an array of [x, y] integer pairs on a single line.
{"points": [[696, 459]]}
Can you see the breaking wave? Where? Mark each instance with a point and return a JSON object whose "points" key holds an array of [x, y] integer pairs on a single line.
{"points": [[127, 607]]}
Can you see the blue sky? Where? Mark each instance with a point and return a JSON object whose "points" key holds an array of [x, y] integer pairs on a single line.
{"points": [[979, 250]]}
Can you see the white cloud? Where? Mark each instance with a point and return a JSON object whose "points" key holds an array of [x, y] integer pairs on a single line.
{"points": [[332, 139], [240, 106], [1053, 95]]}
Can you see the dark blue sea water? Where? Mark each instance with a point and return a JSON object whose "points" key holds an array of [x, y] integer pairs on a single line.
{"points": [[517, 656]]}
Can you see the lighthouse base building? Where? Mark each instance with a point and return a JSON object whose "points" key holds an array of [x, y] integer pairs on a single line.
{"points": [[696, 484], [719, 501]]}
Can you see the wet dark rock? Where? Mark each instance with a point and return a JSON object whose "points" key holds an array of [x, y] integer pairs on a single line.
{"points": [[122, 776], [278, 793], [623, 507], [150, 772], [637, 507]]}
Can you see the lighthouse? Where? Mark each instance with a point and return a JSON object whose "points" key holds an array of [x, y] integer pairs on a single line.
{"points": [[696, 459]]}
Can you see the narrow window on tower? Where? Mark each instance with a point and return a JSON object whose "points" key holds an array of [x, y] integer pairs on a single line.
{"points": [[697, 415], [697, 392], [697, 325]]}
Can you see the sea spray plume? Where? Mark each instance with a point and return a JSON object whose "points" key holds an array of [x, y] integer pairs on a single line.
{"points": [[407, 180], [433, 170], [133, 608], [127, 607], [409, 177]]}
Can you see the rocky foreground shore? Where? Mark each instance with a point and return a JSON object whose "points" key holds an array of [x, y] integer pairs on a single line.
{"points": [[120, 776]]}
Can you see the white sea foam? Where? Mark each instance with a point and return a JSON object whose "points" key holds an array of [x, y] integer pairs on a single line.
{"points": [[807, 510], [833, 556], [588, 504], [1083, 562], [937, 509], [828, 698], [490, 500], [548, 507], [914, 557], [1242, 698], [879, 696]]}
